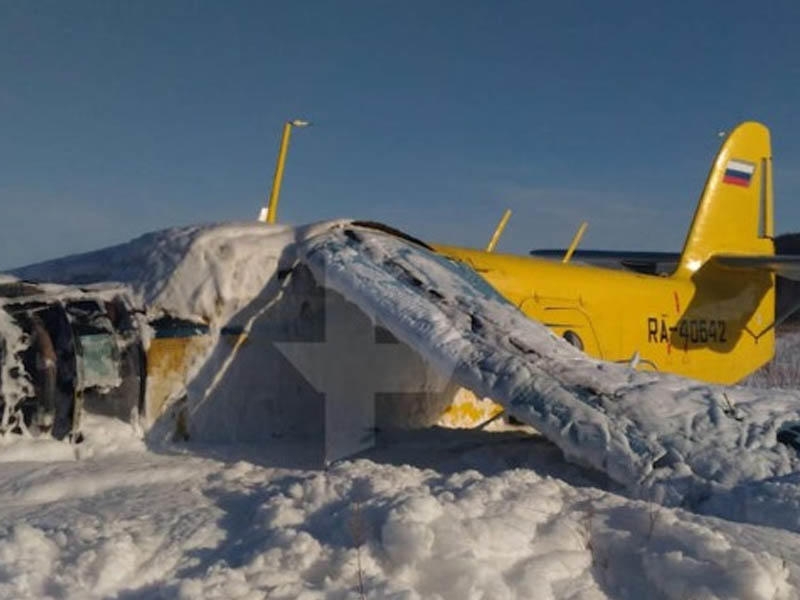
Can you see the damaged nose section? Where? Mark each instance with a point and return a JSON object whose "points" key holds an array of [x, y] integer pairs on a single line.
{"points": [[64, 350]]}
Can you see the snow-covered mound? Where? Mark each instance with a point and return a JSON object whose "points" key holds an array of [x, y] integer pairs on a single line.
{"points": [[204, 272]]}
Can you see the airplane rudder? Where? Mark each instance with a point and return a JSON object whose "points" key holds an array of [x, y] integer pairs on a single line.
{"points": [[735, 213]]}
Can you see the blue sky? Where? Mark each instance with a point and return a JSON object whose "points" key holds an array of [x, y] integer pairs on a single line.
{"points": [[122, 118]]}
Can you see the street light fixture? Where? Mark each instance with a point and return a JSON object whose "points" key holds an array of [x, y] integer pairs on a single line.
{"points": [[269, 213]]}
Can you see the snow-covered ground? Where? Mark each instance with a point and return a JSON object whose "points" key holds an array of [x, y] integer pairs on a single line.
{"points": [[423, 514], [784, 370], [434, 514]]}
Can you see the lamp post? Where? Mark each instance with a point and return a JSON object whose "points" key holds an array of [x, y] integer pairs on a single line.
{"points": [[270, 212]]}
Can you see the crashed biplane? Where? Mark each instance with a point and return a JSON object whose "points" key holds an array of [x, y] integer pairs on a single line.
{"points": [[338, 329]]}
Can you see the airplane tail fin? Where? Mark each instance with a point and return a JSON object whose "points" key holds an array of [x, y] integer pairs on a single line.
{"points": [[735, 213]]}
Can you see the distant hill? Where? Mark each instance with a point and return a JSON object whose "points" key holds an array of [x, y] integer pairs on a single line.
{"points": [[787, 291], [787, 243]]}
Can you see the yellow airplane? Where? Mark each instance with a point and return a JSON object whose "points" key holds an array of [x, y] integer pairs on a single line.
{"points": [[713, 318]]}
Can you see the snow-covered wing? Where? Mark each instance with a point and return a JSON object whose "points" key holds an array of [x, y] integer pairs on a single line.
{"points": [[659, 435]]}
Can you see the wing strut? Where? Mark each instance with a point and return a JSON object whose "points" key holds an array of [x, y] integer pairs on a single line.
{"points": [[575, 241], [499, 230]]}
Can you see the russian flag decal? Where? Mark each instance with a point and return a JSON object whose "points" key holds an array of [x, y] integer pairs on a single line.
{"points": [[739, 172]]}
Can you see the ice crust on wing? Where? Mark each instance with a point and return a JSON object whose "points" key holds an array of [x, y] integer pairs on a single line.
{"points": [[665, 438]]}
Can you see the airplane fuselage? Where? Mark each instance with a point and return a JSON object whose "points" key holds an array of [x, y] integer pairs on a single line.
{"points": [[713, 325]]}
